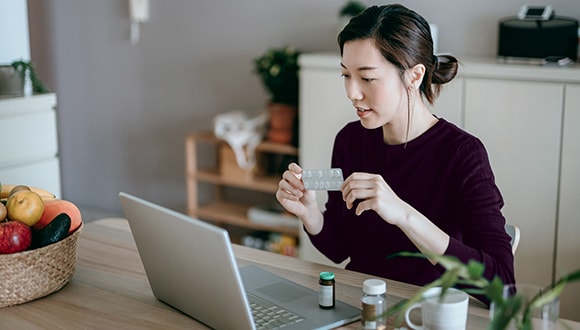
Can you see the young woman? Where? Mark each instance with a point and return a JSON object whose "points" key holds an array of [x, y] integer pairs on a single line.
{"points": [[414, 182]]}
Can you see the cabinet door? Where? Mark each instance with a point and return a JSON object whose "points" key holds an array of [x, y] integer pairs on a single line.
{"points": [[449, 103], [568, 248], [33, 136], [43, 174], [324, 110], [520, 125]]}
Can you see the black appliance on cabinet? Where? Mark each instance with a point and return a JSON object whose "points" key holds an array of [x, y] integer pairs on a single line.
{"points": [[536, 38]]}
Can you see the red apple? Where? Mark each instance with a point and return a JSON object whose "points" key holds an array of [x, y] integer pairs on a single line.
{"points": [[15, 236]]}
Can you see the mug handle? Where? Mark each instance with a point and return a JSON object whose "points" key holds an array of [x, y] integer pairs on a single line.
{"points": [[409, 323]]}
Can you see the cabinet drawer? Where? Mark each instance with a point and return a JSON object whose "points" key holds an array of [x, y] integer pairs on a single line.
{"points": [[43, 174], [32, 136]]}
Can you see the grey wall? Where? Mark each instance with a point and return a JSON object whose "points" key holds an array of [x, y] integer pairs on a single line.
{"points": [[125, 109]]}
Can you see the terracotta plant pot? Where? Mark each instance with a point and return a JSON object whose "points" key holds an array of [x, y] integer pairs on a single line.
{"points": [[281, 122]]}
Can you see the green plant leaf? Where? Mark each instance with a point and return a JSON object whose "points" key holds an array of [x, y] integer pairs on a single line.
{"points": [[450, 262], [494, 291], [448, 279], [572, 277], [24, 68], [475, 269], [351, 8], [545, 297], [506, 312], [278, 71]]}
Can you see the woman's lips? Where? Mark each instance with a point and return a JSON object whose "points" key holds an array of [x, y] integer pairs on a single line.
{"points": [[362, 112]]}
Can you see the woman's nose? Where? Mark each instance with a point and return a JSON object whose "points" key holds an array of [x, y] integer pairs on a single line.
{"points": [[353, 92]]}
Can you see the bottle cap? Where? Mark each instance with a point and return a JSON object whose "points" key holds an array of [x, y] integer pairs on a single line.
{"points": [[374, 286], [327, 276]]}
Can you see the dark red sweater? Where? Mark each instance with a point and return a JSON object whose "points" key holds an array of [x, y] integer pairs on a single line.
{"points": [[445, 174]]}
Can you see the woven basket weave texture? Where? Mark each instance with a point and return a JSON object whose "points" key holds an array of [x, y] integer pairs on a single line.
{"points": [[33, 274]]}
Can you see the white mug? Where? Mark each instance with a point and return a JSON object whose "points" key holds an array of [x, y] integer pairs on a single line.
{"points": [[450, 313]]}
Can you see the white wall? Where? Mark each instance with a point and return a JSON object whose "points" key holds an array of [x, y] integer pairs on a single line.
{"points": [[124, 109], [14, 44]]}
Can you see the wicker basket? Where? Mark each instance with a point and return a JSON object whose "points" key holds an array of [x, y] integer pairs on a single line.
{"points": [[33, 274]]}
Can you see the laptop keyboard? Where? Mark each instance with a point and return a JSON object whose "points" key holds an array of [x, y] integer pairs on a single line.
{"points": [[269, 316]]}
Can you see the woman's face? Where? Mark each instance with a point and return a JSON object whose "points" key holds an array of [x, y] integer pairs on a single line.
{"points": [[373, 84]]}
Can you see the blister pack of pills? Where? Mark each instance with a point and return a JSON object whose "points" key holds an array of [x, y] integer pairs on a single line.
{"points": [[322, 179]]}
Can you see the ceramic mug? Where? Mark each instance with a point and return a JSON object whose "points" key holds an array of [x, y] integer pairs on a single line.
{"points": [[449, 313]]}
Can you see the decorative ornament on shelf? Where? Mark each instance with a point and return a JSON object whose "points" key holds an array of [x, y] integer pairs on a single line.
{"points": [[278, 71], [242, 133]]}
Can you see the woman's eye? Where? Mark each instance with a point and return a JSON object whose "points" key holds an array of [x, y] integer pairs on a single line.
{"points": [[344, 75], [368, 79]]}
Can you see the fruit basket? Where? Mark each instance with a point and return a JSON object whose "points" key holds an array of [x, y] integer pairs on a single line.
{"points": [[33, 274]]}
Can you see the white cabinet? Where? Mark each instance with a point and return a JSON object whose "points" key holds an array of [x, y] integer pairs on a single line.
{"points": [[519, 123], [568, 247], [527, 117], [30, 149], [324, 110], [449, 103]]}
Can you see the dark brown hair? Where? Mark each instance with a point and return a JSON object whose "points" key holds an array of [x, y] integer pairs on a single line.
{"points": [[404, 39]]}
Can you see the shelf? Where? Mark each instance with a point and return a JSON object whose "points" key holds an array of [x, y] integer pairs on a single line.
{"points": [[220, 210], [235, 214], [257, 183], [264, 146], [278, 148]]}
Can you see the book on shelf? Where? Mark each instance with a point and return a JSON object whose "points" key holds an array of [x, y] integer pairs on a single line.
{"points": [[272, 215], [273, 242]]}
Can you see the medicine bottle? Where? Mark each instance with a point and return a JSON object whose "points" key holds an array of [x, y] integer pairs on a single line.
{"points": [[326, 291], [374, 304]]}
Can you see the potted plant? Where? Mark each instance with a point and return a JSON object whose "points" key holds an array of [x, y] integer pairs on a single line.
{"points": [[513, 310], [13, 77], [348, 11], [278, 70], [351, 9]]}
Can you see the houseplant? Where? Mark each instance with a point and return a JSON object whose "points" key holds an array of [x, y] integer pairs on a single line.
{"points": [[514, 311], [348, 11], [26, 69], [351, 9], [278, 70]]}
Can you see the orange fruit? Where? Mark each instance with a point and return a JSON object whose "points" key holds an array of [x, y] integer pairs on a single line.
{"points": [[54, 207], [26, 206]]}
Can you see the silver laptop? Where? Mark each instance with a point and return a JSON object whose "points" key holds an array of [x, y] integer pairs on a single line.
{"points": [[191, 266]]}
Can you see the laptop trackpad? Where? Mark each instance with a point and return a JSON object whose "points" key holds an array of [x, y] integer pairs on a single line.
{"points": [[282, 292]]}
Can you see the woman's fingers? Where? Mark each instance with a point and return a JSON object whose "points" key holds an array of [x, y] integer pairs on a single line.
{"points": [[291, 186], [288, 190], [293, 167], [360, 186]]}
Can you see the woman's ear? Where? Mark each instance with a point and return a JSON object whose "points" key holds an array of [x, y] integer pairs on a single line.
{"points": [[415, 75]]}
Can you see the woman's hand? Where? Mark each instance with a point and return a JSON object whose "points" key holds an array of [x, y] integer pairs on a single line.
{"points": [[374, 194], [297, 200]]}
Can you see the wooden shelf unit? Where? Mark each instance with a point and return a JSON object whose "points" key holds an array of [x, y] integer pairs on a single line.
{"points": [[225, 212]]}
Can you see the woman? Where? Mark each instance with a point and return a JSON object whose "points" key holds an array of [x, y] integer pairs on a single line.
{"points": [[414, 182]]}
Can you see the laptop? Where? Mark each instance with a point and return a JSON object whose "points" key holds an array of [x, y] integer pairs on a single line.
{"points": [[191, 266]]}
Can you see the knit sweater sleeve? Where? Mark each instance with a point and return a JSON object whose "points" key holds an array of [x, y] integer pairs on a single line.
{"points": [[484, 236]]}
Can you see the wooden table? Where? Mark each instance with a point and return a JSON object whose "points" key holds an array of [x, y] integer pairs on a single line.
{"points": [[110, 290]]}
